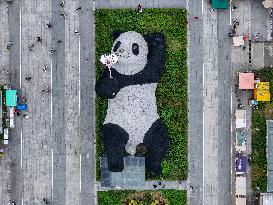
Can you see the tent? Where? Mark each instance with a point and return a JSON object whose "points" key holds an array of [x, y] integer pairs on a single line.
{"points": [[11, 98], [238, 41], [240, 186], [240, 116], [261, 91], [240, 141], [246, 81], [268, 4], [240, 201]]}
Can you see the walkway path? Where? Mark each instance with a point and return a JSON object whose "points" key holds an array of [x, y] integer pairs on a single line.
{"points": [[5, 164], [150, 185]]}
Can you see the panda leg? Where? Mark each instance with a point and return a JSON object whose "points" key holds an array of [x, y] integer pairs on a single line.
{"points": [[157, 144], [114, 141]]}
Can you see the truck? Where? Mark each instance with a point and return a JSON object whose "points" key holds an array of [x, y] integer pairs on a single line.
{"points": [[220, 4]]}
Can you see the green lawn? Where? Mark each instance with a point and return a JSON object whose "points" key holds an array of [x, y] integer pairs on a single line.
{"points": [[172, 89], [259, 117], [173, 197]]}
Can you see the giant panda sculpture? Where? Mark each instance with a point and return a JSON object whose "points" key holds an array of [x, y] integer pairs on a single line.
{"points": [[132, 117]]}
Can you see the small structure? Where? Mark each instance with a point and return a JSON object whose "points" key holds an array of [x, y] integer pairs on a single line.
{"points": [[240, 200], [246, 81], [11, 98], [133, 174], [266, 198], [240, 164], [1, 114], [240, 145], [6, 136], [269, 150], [268, 4], [240, 186], [240, 116], [261, 91], [238, 41]]}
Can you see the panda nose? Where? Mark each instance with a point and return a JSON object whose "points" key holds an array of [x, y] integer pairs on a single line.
{"points": [[121, 50]]}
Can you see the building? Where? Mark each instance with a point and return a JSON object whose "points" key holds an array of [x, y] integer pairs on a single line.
{"points": [[246, 81], [11, 98], [240, 145], [266, 198], [240, 164], [240, 190], [240, 116]]}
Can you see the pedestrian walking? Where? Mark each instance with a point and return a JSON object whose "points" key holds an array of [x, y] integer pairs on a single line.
{"points": [[45, 201], [79, 8], [18, 113], [85, 60], [28, 78], [196, 18], [62, 14], [8, 72], [233, 8], [24, 99], [39, 39], [139, 9], [10, 43], [211, 9], [62, 3], [52, 51], [45, 68], [48, 25]]}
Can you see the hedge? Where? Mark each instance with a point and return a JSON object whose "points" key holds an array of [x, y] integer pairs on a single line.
{"points": [[114, 197], [171, 92], [259, 130]]}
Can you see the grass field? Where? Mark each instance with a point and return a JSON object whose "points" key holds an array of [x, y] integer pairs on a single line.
{"points": [[259, 117], [172, 197], [171, 92]]}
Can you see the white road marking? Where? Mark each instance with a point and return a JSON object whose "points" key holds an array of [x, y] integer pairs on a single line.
{"points": [[80, 173], [51, 103], [79, 76], [20, 44], [203, 80], [52, 175], [22, 162], [230, 15], [203, 149], [202, 6], [21, 148]]}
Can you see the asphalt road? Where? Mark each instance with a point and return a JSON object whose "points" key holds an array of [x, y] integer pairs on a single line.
{"points": [[60, 166], [209, 105], [53, 149]]}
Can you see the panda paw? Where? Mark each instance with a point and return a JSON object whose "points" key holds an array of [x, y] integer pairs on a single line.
{"points": [[108, 88]]}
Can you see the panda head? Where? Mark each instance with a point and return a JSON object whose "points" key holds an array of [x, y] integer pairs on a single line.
{"points": [[131, 50]]}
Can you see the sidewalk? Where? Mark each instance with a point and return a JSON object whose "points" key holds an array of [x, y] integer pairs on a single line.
{"points": [[4, 66]]}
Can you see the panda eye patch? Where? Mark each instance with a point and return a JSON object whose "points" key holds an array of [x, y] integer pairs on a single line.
{"points": [[135, 49], [116, 46]]}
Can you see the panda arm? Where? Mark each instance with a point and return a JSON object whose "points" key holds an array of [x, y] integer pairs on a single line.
{"points": [[107, 87], [156, 57]]}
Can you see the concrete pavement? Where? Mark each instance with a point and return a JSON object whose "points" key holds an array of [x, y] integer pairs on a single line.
{"points": [[53, 149]]}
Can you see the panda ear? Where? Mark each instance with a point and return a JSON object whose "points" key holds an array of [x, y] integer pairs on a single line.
{"points": [[116, 34]]}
